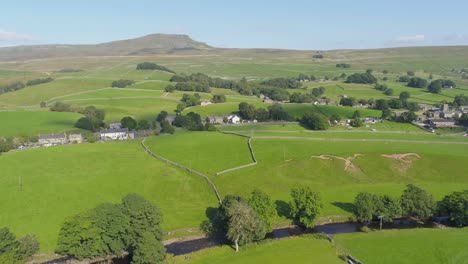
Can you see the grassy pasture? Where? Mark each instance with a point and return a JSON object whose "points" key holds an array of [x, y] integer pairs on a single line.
{"points": [[408, 246], [151, 85], [32, 123], [298, 110], [111, 93], [289, 250], [206, 152], [59, 182]]}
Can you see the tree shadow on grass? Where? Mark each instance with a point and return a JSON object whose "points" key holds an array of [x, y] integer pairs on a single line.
{"points": [[348, 207], [283, 209], [210, 212]]}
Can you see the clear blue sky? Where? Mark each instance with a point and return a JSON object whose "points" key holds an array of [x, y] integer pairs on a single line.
{"points": [[293, 24]]}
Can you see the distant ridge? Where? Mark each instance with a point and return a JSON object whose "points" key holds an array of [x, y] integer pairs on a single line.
{"points": [[150, 44]]}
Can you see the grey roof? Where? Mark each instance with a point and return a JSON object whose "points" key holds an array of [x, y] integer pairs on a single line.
{"points": [[53, 136], [120, 130]]}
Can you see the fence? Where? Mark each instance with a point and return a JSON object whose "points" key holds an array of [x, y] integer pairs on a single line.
{"points": [[184, 168]]}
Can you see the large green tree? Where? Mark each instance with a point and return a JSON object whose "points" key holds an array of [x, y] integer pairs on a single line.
{"points": [[455, 205], [416, 202], [305, 206], [129, 122], [263, 206], [314, 121]]}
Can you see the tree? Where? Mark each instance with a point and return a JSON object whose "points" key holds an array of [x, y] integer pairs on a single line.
{"points": [[145, 234], [169, 89], [262, 115], [305, 206], [277, 112], [388, 208], [244, 225], [143, 124], [417, 82], [435, 86], [407, 117], [357, 114], [314, 121], [455, 205], [388, 92], [404, 95], [28, 246], [167, 128], [152, 66], [129, 122], [161, 116], [261, 203], [247, 111], [416, 202], [413, 106], [381, 104], [404, 79], [365, 207], [386, 113], [218, 98], [348, 101], [43, 104]]}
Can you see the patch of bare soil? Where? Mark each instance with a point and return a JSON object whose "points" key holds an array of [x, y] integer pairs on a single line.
{"points": [[404, 160], [348, 162]]}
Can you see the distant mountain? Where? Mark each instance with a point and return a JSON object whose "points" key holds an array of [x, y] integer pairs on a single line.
{"points": [[150, 44]]}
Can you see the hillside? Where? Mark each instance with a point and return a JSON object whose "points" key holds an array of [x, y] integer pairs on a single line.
{"points": [[150, 44]]}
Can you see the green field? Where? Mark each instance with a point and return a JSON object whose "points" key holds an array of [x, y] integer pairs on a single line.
{"points": [[408, 246], [32, 123], [304, 249], [58, 182]]}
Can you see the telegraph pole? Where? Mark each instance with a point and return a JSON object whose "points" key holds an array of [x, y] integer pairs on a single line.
{"points": [[380, 217]]}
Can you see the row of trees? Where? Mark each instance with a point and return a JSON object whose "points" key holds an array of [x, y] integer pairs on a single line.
{"points": [[16, 251], [415, 202], [274, 112], [243, 221], [193, 122], [132, 124], [365, 78], [152, 66], [343, 65], [132, 227], [17, 85], [286, 83]]}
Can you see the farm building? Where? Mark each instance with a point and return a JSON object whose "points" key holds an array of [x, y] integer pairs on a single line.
{"points": [[116, 134], [233, 119], [205, 102], [442, 123], [52, 139], [170, 119]]}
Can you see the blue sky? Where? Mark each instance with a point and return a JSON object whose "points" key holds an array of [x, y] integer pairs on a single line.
{"points": [[293, 24]]}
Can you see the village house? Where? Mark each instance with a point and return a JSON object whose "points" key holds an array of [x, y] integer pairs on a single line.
{"points": [[233, 119], [116, 134], [52, 139], [75, 138], [464, 109], [216, 120], [440, 123]]}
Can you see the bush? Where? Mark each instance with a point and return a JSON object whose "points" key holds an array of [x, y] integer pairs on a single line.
{"points": [[364, 229]]}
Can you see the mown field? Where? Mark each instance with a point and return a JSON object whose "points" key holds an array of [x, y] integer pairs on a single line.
{"points": [[304, 249], [32, 123], [58, 182], [408, 246]]}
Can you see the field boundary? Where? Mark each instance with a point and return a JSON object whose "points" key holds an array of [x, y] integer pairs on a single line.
{"points": [[252, 155], [184, 168]]}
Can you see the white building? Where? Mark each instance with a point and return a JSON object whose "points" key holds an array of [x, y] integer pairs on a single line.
{"points": [[52, 139], [115, 126], [116, 134], [205, 102], [233, 119], [72, 138]]}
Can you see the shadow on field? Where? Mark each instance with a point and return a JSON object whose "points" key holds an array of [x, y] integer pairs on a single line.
{"points": [[210, 212], [348, 207], [283, 209]]}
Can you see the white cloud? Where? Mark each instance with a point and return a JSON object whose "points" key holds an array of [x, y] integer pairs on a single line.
{"points": [[7, 36], [410, 39]]}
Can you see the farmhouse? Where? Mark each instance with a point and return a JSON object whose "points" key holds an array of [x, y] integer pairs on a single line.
{"points": [[464, 108], [52, 139], [116, 134], [233, 119]]}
